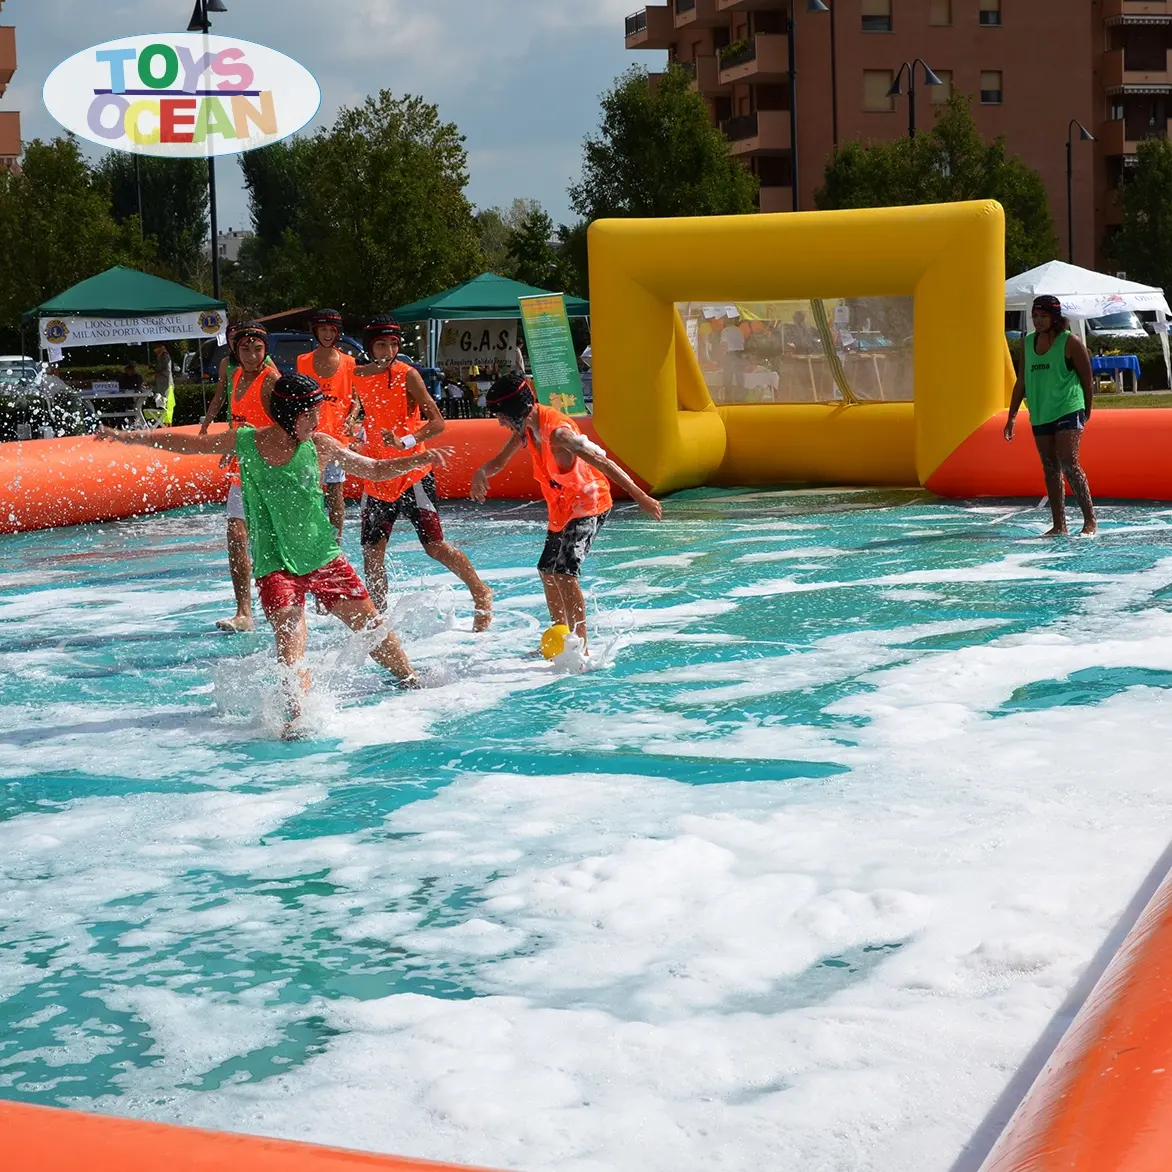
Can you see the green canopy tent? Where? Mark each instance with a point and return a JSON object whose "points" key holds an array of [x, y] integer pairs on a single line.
{"points": [[124, 306], [489, 297]]}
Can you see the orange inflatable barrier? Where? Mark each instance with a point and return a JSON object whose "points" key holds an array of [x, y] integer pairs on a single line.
{"points": [[1125, 454], [1104, 1101], [47, 483], [45, 1139]]}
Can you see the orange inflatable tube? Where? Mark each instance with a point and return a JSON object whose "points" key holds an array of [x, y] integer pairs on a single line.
{"points": [[45, 484], [1104, 1101], [45, 1139], [1125, 453]]}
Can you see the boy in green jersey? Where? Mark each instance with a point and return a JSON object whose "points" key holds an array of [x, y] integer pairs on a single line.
{"points": [[1055, 381], [294, 546]]}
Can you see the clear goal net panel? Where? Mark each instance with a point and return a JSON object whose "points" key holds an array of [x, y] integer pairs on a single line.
{"points": [[836, 350]]}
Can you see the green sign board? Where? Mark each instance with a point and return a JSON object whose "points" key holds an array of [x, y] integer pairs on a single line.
{"points": [[551, 353]]}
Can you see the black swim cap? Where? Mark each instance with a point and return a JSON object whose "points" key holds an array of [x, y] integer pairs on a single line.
{"points": [[248, 329], [292, 396], [382, 325], [511, 396], [325, 317]]}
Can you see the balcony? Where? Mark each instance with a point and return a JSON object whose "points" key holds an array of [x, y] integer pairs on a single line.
{"points": [[650, 28], [1118, 78], [1115, 138], [764, 132], [705, 74], [698, 14], [9, 135], [777, 199], [1137, 12], [763, 58], [7, 55]]}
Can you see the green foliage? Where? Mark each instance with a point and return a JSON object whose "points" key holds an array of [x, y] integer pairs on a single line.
{"points": [[56, 227], [365, 216], [574, 257], [658, 154], [950, 162], [531, 252], [494, 226], [1143, 245], [174, 207]]}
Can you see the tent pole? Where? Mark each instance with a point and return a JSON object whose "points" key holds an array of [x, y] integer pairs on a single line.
{"points": [[1162, 322]]}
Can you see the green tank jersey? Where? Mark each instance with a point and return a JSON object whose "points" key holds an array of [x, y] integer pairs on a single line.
{"points": [[288, 528], [1052, 389]]}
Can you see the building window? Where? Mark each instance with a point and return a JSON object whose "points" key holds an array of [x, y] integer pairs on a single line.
{"points": [[990, 12], [876, 16], [876, 83], [940, 12], [991, 88], [942, 92]]}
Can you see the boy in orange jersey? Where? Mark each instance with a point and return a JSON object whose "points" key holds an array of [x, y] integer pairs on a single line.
{"points": [[334, 372], [573, 473], [400, 416], [248, 382]]}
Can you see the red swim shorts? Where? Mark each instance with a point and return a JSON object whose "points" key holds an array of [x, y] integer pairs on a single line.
{"points": [[333, 582]]}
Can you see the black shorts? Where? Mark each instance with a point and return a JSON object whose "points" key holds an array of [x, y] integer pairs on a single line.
{"points": [[419, 504], [1075, 421], [566, 550]]}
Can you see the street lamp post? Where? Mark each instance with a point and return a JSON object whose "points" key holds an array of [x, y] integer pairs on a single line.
{"points": [[897, 88], [201, 23], [1084, 135], [811, 6]]}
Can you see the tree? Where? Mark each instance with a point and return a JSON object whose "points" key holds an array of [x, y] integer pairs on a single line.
{"points": [[531, 251], [174, 207], [56, 227], [364, 216], [1143, 245], [493, 228], [950, 162], [658, 154]]}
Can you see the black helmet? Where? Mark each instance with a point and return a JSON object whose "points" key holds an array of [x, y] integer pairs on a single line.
{"points": [[293, 395], [248, 329], [383, 325], [325, 317], [511, 396]]}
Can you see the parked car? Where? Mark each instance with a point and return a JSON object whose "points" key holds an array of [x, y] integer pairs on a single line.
{"points": [[35, 403], [1125, 324]]}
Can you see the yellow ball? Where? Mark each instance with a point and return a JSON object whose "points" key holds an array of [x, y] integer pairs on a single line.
{"points": [[553, 642]]}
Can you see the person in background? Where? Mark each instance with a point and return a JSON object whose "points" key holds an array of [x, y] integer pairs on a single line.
{"points": [[130, 379], [519, 357], [334, 372], [400, 417], [733, 341], [164, 410], [250, 376], [801, 337], [1056, 383]]}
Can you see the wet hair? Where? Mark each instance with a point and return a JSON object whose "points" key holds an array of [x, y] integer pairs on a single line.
{"points": [[1050, 304], [511, 396], [292, 396]]}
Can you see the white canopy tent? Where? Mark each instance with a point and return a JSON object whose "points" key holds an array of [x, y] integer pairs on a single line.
{"points": [[1085, 294]]}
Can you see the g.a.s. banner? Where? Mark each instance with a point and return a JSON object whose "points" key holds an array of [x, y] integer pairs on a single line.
{"points": [[551, 353], [182, 95]]}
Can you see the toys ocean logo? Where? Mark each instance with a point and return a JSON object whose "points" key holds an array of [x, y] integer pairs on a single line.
{"points": [[182, 95]]}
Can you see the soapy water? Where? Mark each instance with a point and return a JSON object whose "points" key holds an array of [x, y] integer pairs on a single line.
{"points": [[794, 876]]}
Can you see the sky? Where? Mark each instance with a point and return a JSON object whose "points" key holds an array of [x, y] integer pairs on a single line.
{"points": [[521, 78]]}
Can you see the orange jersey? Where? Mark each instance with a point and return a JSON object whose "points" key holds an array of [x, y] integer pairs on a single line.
{"points": [[246, 408], [388, 407], [583, 491], [339, 386]]}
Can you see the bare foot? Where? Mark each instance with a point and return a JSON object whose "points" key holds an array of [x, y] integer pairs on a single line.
{"points": [[236, 626], [482, 617], [1089, 529], [1056, 532], [411, 683]]}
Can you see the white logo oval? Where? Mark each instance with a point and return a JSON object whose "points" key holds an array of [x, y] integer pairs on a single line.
{"points": [[182, 95]]}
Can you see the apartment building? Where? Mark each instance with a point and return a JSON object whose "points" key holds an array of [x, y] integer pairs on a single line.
{"points": [[1029, 66], [9, 119]]}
